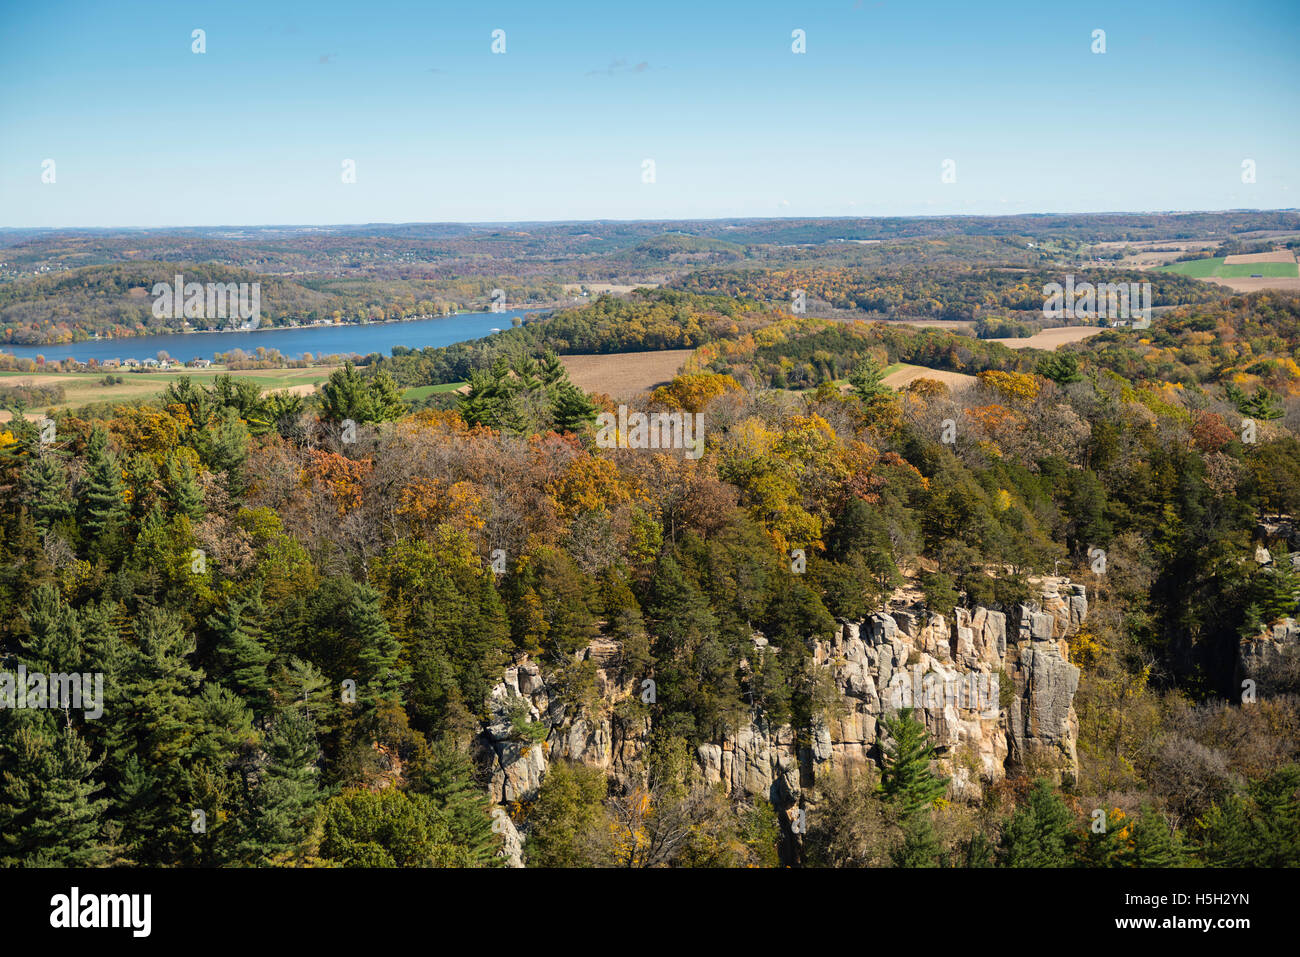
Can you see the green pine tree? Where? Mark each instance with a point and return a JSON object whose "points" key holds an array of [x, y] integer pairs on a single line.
{"points": [[920, 847], [49, 813], [1226, 834], [573, 408], [151, 738], [288, 791], [46, 491], [449, 780], [102, 499], [181, 487], [1154, 843], [1040, 832], [346, 396], [1061, 367], [241, 653], [1276, 827], [382, 673], [906, 779]]}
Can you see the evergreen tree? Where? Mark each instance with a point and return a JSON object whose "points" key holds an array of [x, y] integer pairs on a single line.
{"points": [[241, 653], [449, 780], [550, 370], [346, 396], [49, 814], [226, 447], [488, 397], [1040, 832], [349, 395], [289, 789], [976, 851], [573, 408], [181, 487], [1274, 592], [866, 381], [386, 398], [102, 500], [697, 689], [152, 738], [300, 686], [54, 638], [919, 847], [1276, 820], [568, 823], [1061, 367], [1154, 843], [1227, 834], [1263, 405], [906, 779], [382, 673], [45, 489]]}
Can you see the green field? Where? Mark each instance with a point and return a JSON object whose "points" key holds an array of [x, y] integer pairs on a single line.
{"points": [[1217, 269], [84, 388], [424, 391]]}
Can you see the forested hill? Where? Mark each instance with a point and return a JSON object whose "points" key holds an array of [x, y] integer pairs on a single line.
{"points": [[934, 292], [117, 300], [352, 635]]}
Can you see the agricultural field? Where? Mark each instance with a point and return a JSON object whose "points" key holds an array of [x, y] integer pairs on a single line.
{"points": [[1051, 339], [84, 388], [625, 374], [1267, 265], [420, 392], [1244, 273], [900, 375]]}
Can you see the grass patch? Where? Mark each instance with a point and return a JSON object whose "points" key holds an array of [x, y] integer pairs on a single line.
{"points": [[1216, 268], [424, 391], [84, 388]]}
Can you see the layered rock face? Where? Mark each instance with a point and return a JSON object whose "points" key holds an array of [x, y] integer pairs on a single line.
{"points": [[995, 692], [1271, 659]]}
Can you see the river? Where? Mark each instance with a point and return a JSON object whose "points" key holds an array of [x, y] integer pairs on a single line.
{"points": [[318, 340]]}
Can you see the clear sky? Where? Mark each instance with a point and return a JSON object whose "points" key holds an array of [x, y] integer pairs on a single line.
{"points": [[145, 132]]}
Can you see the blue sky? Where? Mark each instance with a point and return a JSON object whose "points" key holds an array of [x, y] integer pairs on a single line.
{"points": [[144, 132]]}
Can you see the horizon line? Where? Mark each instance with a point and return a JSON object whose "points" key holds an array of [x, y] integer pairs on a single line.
{"points": [[707, 219]]}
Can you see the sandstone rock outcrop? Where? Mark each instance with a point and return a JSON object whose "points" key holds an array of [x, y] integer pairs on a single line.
{"points": [[1271, 659], [994, 690]]}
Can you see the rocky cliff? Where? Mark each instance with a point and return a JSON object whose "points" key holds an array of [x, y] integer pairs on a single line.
{"points": [[995, 691], [1269, 660]]}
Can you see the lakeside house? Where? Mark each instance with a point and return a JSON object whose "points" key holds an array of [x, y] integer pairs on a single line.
{"points": [[199, 363]]}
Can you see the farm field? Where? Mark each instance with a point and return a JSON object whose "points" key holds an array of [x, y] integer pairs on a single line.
{"points": [[1151, 253], [84, 388], [596, 288], [1242, 268], [900, 375], [1052, 339], [1276, 256], [625, 374], [424, 391]]}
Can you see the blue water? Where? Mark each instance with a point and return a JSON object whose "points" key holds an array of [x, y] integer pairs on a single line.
{"points": [[292, 343]]}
